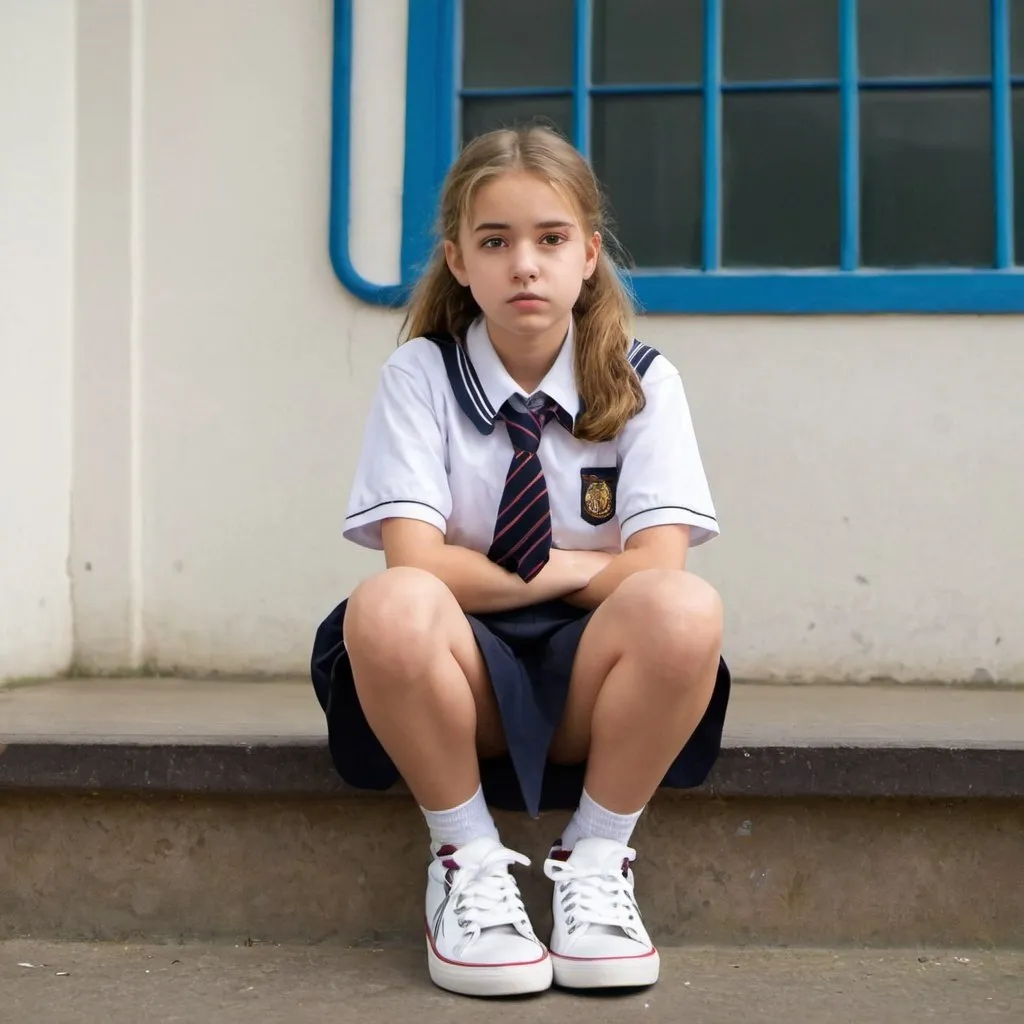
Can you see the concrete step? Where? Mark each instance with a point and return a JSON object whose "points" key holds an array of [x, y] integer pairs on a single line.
{"points": [[77, 984], [169, 808]]}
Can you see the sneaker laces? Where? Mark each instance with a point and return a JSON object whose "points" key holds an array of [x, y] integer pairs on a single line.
{"points": [[596, 895], [486, 895]]}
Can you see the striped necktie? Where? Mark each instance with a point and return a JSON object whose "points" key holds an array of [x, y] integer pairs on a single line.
{"points": [[522, 531]]}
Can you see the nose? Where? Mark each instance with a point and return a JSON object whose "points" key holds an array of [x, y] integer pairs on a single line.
{"points": [[524, 264]]}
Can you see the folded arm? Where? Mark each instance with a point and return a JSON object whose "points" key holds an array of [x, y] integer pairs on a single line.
{"points": [[659, 547], [477, 583]]}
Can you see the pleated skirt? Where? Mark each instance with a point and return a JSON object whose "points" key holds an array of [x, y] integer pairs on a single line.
{"points": [[529, 653]]}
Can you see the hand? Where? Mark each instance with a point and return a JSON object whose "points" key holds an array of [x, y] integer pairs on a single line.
{"points": [[579, 567], [592, 563]]}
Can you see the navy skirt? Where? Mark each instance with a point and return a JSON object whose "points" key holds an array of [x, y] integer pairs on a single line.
{"points": [[529, 654]]}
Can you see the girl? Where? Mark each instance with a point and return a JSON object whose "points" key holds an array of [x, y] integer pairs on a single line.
{"points": [[532, 476]]}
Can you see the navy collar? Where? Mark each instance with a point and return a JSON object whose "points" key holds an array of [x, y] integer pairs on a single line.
{"points": [[559, 383], [481, 383]]}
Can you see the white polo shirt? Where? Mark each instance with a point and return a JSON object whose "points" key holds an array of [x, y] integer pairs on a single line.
{"points": [[432, 451]]}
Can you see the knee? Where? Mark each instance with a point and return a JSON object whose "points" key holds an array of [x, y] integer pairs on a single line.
{"points": [[392, 618], [671, 616]]}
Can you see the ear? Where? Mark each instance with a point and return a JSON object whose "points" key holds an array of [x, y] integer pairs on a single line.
{"points": [[593, 251], [456, 264]]}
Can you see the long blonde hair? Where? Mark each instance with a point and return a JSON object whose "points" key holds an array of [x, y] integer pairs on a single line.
{"points": [[607, 384]]}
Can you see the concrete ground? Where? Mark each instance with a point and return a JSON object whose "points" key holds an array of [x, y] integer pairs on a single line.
{"points": [[801, 715], [46, 983]]}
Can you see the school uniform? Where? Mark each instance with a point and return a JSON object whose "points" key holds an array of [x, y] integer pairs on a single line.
{"points": [[437, 449]]}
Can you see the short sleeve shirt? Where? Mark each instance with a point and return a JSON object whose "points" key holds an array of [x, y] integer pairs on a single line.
{"points": [[434, 450]]}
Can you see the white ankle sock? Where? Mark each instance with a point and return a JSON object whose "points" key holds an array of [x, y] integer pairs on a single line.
{"points": [[462, 824], [592, 821]]}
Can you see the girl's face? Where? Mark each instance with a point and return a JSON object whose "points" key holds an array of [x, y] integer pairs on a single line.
{"points": [[524, 255]]}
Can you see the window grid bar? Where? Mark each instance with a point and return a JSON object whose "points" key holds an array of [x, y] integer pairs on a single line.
{"points": [[516, 92], [782, 85], [897, 84], [1002, 137], [647, 89], [849, 184], [581, 77], [696, 88], [849, 86], [712, 226]]}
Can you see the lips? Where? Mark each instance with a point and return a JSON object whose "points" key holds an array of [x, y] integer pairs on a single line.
{"points": [[527, 297]]}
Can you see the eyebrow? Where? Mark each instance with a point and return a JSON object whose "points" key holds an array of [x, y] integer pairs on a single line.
{"points": [[543, 225]]}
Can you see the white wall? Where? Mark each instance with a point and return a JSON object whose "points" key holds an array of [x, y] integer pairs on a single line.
{"points": [[866, 470], [258, 366], [37, 161], [867, 473], [105, 535]]}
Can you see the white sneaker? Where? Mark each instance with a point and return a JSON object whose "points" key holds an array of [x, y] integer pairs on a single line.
{"points": [[598, 939], [479, 938]]}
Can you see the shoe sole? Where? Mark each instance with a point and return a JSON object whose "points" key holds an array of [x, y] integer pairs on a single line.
{"points": [[627, 972], [492, 980]]}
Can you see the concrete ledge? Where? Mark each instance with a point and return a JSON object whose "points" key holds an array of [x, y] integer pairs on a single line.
{"points": [[162, 808], [293, 869], [283, 767], [267, 738]]}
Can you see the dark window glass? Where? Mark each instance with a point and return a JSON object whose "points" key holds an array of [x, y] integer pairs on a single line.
{"points": [[778, 39], [927, 195], [926, 165], [648, 153], [647, 41], [1017, 37], [1018, 174], [924, 37], [780, 197], [483, 115], [517, 45]]}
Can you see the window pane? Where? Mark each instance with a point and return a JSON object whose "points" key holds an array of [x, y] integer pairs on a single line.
{"points": [[1017, 36], [527, 43], [924, 37], [780, 39], [648, 153], [926, 165], [780, 167], [479, 116], [1018, 174], [648, 41]]}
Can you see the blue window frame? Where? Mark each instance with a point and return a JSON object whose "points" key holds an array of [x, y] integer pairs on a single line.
{"points": [[434, 96]]}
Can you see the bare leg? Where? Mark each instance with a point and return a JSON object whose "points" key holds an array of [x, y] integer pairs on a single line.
{"points": [[422, 683], [643, 676], [424, 689]]}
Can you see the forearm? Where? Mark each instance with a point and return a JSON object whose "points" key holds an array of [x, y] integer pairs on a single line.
{"points": [[481, 586], [621, 567]]}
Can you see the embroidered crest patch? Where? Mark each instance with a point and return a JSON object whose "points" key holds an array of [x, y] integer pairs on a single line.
{"points": [[597, 494]]}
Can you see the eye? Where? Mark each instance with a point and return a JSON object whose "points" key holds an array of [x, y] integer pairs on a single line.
{"points": [[552, 239], [492, 243]]}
